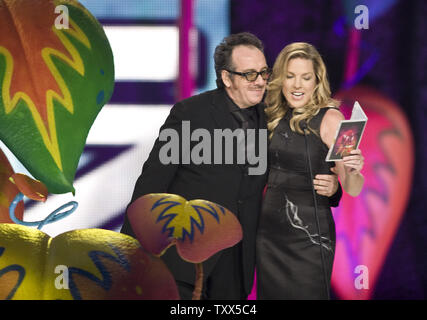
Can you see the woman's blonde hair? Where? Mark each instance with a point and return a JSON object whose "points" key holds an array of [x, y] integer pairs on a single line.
{"points": [[277, 105]]}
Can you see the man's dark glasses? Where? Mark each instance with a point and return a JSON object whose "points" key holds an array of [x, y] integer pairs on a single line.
{"points": [[253, 75]]}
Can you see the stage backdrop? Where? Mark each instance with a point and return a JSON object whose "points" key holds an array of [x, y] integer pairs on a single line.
{"points": [[383, 65]]}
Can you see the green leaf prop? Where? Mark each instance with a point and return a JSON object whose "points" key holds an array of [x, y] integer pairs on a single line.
{"points": [[53, 83]]}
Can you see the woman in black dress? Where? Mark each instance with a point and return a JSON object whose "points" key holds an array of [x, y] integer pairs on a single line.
{"points": [[299, 111]]}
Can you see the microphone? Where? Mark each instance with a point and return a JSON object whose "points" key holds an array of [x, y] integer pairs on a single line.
{"points": [[304, 127]]}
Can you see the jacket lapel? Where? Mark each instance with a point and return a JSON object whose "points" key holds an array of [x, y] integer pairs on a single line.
{"points": [[220, 111]]}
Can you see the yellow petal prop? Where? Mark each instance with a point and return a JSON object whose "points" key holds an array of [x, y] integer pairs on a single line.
{"points": [[80, 264]]}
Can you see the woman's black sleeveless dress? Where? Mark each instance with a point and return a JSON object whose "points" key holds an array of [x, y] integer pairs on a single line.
{"points": [[289, 264]]}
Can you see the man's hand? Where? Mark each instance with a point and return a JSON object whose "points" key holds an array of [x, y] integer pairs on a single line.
{"points": [[326, 184]]}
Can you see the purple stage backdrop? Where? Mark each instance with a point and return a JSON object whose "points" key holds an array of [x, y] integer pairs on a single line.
{"points": [[392, 60]]}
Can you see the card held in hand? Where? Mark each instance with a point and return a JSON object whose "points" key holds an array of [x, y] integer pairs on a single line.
{"points": [[349, 134]]}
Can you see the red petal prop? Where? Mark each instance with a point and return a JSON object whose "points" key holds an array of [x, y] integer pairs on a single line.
{"points": [[30, 188], [8, 191], [367, 224]]}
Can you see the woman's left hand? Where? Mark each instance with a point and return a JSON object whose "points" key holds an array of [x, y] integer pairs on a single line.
{"points": [[354, 162], [326, 184]]}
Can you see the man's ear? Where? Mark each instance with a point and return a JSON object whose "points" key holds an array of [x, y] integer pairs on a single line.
{"points": [[225, 76]]}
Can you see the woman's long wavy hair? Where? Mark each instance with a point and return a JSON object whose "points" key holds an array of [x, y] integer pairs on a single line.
{"points": [[277, 106]]}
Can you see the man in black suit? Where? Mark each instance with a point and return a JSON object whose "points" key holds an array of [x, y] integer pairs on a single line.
{"points": [[242, 75]]}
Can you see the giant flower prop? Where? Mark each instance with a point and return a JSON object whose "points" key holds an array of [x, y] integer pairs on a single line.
{"points": [[198, 228]]}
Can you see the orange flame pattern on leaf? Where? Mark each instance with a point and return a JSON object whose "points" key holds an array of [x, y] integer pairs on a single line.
{"points": [[38, 82]]}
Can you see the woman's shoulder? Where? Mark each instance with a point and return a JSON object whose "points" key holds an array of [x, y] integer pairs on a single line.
{"points": [[329, 125], [331, 114], [323, 112]]}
